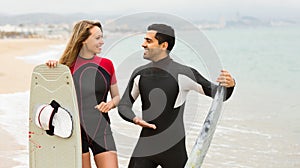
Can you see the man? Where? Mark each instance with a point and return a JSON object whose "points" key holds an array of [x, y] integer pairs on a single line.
{"points": [[163, 85]]}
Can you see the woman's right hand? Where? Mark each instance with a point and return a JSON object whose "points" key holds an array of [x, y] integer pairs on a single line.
{"points": [[52, 63]]}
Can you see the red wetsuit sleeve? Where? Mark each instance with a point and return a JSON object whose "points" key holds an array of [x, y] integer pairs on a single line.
{"points": [[109, 67]]}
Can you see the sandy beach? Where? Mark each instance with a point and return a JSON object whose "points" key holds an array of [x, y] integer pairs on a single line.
{"points": [[14, 73], [15, 76]]}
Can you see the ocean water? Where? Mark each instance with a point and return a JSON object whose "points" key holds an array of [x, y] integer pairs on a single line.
{"points": [[258, 126]]}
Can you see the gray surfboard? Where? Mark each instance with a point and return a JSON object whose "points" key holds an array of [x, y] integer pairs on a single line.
{"points": [[203, 141]]}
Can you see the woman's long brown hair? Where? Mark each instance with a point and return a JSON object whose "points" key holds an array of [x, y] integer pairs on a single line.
{"points": [[81, 32]]}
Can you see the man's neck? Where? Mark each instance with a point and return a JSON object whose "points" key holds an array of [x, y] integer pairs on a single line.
{"points": [[160, 57]]}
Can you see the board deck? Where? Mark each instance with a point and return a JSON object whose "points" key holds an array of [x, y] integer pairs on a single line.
{"points": [[203, 141], [46, 151]]}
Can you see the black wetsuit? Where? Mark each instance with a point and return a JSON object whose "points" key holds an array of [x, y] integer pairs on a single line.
{"points": [[163, 87]]}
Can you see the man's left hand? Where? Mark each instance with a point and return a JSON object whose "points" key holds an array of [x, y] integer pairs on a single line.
{"points": [[225, 79]]}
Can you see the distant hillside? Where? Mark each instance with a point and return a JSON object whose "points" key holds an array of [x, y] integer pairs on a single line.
{"points": [[132, 22], [47, 18]]}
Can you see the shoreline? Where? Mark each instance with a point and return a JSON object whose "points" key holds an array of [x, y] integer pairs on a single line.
{"points": [[246, 136], [16, 73], [15, 76]]}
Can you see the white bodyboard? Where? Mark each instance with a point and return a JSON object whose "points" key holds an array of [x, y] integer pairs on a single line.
{"points": [[52, 151]]}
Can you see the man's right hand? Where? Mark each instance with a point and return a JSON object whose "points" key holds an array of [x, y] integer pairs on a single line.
{"points": [[52, 63], [143, 123]]}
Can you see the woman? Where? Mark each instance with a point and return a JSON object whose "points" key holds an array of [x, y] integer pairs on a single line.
{"points": [[93, 77]]}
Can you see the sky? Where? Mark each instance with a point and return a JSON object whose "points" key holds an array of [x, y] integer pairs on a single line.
{"points": [[185, 8]]}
